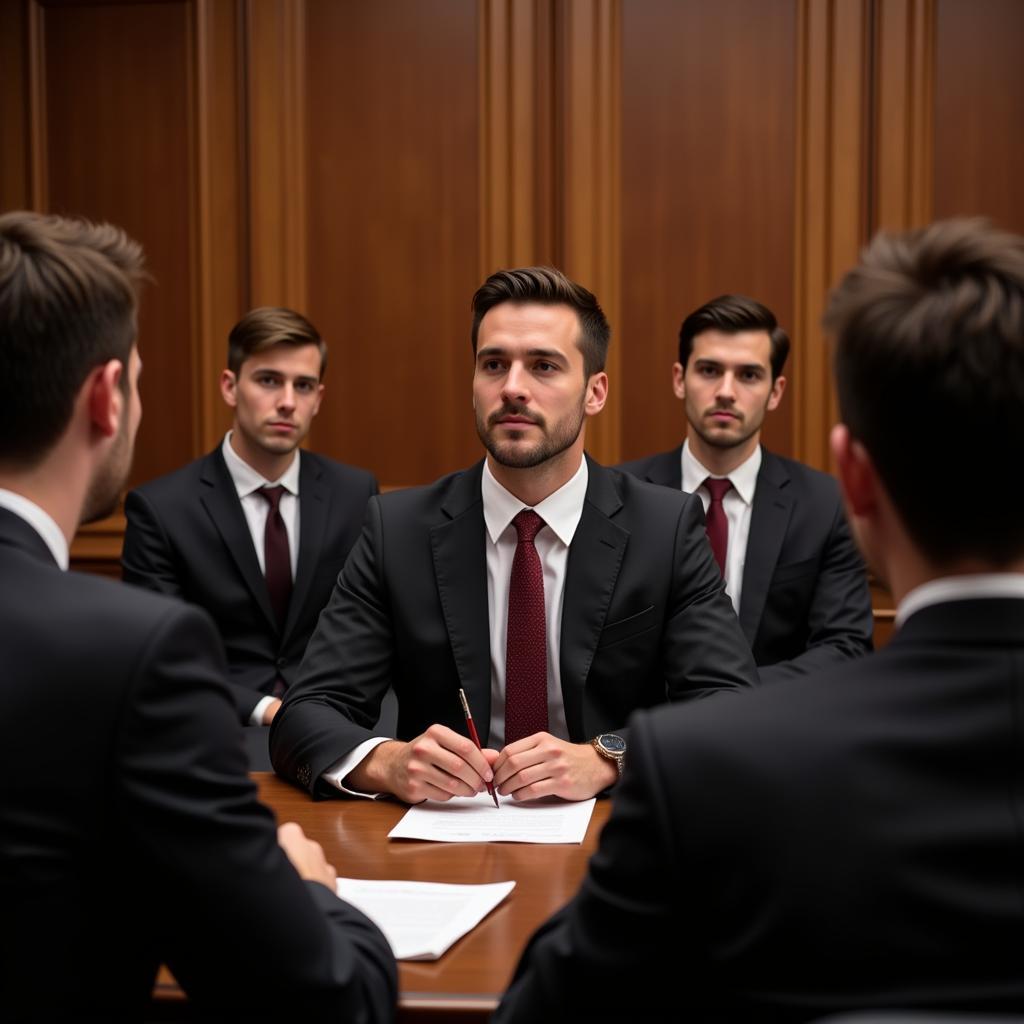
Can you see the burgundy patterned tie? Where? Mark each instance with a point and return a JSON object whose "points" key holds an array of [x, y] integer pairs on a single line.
{"points": [[526, 652], [277, 562], [716, 521]]}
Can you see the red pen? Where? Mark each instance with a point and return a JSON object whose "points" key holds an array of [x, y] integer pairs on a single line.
{"points": [[475, 738]]}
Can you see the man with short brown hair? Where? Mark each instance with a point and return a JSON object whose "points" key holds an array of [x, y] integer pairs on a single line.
{"points": [[130, 833], [257, 531]]}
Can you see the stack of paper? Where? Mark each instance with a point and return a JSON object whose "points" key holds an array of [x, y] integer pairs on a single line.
{"points": [[421, 920]]}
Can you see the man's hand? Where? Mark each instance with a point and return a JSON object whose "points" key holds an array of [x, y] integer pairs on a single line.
{"points": [[306, 856], [270, 710], [436, 765], [542, 765]]}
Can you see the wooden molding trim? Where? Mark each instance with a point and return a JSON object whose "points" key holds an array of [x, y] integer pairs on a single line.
{"points": [[590, 180], [218, 233], [516, 134], [904, 113], [831, 205], [275, 34]]}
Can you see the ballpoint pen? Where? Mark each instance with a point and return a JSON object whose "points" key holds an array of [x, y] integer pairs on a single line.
{"points": [[475, 738]]}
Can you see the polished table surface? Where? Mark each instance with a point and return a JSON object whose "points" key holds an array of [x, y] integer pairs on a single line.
{"points": [[468, 980]]}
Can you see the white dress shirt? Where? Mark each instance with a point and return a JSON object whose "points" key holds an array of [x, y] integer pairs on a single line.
{"points": [[737, 504], [40, 521], [561, 512], [256, 509], [960, 588]]}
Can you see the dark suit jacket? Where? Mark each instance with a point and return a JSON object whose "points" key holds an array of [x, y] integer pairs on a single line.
{"points": [[645, 619], [805, 603], [130, 834], [809, 848], [187, 537]]}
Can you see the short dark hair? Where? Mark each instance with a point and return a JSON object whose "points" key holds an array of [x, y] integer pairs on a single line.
{"points": [[549, 287], [268, 326], [731, 314], [929, 363], [68, 296]]}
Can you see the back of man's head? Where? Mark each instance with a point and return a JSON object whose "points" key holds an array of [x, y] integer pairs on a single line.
{"points": [[67, 305], [929, 360]]}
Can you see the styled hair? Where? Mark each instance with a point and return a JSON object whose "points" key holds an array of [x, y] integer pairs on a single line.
{"points": [[731, 314], [929, 363], [267, 326], [68, 298], [549, 287]]}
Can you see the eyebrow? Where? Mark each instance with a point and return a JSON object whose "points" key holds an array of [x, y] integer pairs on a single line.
{"points": [[302, 378], [540, 353], [704, 361]]}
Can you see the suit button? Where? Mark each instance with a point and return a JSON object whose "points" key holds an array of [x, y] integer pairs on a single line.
{"points": [[282, 663], [304, 774]]}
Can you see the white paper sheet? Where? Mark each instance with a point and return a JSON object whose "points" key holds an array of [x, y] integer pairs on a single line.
{"points": [[477, 820], [421, 920]]}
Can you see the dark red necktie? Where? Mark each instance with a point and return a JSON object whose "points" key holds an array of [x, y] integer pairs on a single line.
{"points": [[716, 521], [526, 651], [277, 562]]}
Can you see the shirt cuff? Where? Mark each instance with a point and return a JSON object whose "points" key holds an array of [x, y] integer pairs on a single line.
{"points": [[337, 771], [256, 718]]}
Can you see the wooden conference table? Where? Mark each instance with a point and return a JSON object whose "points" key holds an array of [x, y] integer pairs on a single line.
{"points": [[467, 982]]}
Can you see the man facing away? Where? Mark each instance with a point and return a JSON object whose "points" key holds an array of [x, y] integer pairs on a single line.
{"points": [[558, 594], [777, 527], [851, 839], [130, 834], [256, 531]]}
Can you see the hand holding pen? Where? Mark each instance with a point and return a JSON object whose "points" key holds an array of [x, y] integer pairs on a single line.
{"points": [[475, 738]]}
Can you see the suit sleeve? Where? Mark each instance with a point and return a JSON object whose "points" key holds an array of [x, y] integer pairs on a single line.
{"points": [[146, 561], [705, 649], [840, 622], [146, 557], [347, 669], [619, 949], [240, 929]]}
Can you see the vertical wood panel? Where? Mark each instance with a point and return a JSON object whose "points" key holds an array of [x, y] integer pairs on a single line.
{"points": [[118, 125], [832, 201], [591, 183], [904, 113], [276, 136], [15, 109], [979, 110], [394, 229], [707, 188], [517, 144]]}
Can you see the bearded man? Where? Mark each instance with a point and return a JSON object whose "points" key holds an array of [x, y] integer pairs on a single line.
{"points": [[561, 596]]}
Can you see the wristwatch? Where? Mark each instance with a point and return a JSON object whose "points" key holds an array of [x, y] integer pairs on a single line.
{"points": [[612, 747]]}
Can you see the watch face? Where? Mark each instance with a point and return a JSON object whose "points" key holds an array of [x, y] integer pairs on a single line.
{"points": [[612, 743]]}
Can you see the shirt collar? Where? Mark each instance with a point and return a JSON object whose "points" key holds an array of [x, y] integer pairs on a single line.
{"points": [[743, 477], [561, 510], [247, 480], [41, 521], [959, 588]]}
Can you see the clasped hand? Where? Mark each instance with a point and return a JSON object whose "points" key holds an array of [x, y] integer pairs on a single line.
{"points": [[441, 763]]}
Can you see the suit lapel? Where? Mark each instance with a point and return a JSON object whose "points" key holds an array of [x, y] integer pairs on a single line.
{"points": [[666, 469], [220, 499], [460, 569], [595, 557], [769, 519], [314, 506]]}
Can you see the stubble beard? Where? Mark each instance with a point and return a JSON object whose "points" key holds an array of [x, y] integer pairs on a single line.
{"points": [[109, 480], [513, 454]]}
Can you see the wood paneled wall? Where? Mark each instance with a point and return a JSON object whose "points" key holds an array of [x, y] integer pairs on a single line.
{"points": [[370, 162]]}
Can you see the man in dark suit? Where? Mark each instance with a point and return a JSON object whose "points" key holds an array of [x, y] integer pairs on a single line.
{"points": [[851, 839], [790, 565], [559, 595], [202, 533], [135, 838]]}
